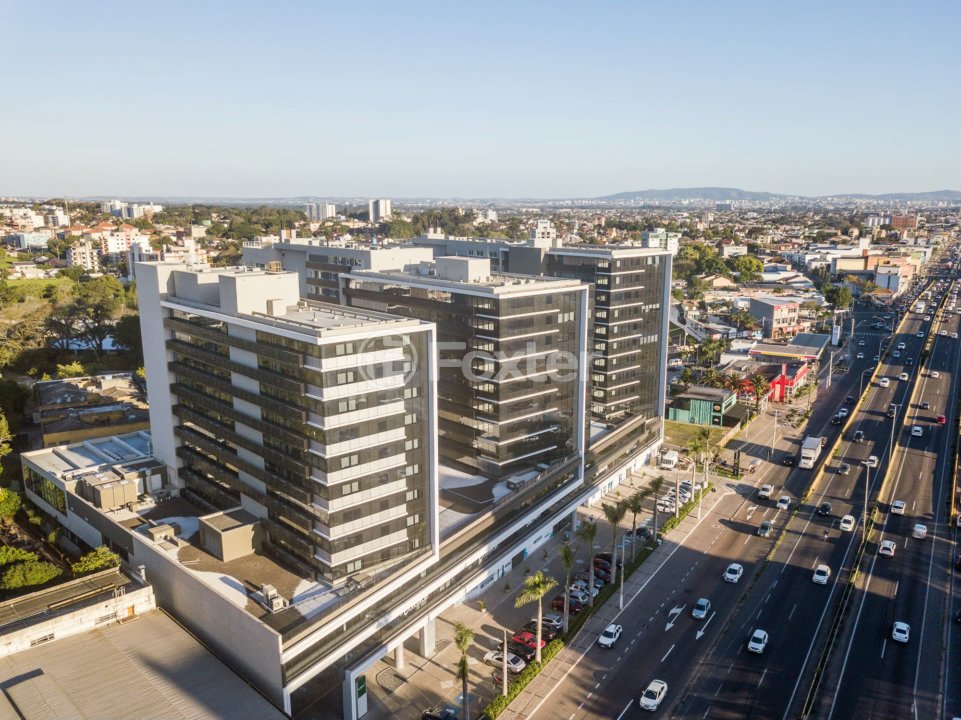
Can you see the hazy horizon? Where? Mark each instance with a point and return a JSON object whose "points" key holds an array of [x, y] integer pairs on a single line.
{"points": [[500, 100]]}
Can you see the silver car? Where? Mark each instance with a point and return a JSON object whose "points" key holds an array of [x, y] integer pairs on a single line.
{"points": [[701, 609]]}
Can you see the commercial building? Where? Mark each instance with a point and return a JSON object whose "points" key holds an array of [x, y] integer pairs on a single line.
{"points": [[319, 264], [379, 210], [30, 241], [702, 406], [629, 325], [511, 397], [778, 318], [661, 238]]}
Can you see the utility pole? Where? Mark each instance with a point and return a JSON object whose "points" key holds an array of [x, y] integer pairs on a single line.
{"points": [[867, 492], [620, 601], [770, 450]]}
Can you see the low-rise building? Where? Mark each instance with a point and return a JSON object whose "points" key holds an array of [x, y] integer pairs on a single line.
{"points": [[778, 318], [702, 406]]}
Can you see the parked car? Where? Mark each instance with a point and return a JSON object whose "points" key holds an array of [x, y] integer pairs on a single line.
{"points": [[555, 621], [548, 632], [527, 638], [558, 604], [437, 713], [514, 663], [606, 557]]}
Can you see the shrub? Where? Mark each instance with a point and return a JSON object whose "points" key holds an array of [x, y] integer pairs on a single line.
{"points": [[28, 574], [9, 503], [11, 555], [99, 559], [500, 703]]}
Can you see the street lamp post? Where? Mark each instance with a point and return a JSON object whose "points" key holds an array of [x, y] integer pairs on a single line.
{"points": [[867, 492], [861, 384]]}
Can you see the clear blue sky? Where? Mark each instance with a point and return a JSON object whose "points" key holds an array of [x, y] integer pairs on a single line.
{"points": [[482, 99]]}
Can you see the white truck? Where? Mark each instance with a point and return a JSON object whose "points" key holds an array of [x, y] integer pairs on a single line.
{"points": [[919, 308], [810, 451]]}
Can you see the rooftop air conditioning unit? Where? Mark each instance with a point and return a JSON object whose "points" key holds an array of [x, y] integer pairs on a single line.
{"points": [[272, 599]]}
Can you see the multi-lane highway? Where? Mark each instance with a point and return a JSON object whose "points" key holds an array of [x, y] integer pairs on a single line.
{"points": [[786, 602], [662, 640], [871, 674]]}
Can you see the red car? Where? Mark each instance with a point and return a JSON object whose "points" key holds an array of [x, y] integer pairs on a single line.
{"points": [[529, 639], [558, 604], [942, 419], [601, 573]]}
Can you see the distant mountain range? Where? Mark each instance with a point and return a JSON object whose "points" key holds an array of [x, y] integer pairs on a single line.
{"points": [[718, 194]]}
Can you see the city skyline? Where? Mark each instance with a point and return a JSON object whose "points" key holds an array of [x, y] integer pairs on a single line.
{"points": [[420, 101]]}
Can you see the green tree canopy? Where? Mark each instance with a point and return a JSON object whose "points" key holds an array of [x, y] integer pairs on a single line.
{"points": [[70, 370], [28, 574], [95, 561], [750, 268]]}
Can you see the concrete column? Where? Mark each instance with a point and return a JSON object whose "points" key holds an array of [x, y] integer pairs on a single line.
{"points": [[399, 657], [573, 521], [350, 699], [427, 639]]}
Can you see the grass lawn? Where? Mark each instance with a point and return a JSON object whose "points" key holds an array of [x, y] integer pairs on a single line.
{"points": [[680, 434], [42, 282]]}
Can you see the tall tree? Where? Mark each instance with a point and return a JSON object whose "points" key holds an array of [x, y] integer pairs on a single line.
{"points": [[656, 485], [760, 387], [98, 303], [463, 637], [535, 588], [568, 557], [614, 514], [686, 377], [635, 505], [588, 533]]}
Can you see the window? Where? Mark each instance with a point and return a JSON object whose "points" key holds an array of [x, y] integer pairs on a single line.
{"points": [[344, 349], [349, 488], [354, 566], [412, 444], [349, 461], [343, 378]]}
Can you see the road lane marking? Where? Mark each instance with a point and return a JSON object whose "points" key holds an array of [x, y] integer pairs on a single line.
{"points": [[589, 696], [597, 686], [706, 711], [883, 646], [896, 585], [718, 689], [792, 611], [668, 653], [762, 677], [622, 711]]}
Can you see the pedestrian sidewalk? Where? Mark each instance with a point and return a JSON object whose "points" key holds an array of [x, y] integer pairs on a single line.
{"points": [[530, 699]]}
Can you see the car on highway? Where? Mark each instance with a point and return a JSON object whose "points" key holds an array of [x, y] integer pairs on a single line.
{"points": [[935, 374], [861, 343], [847, 523], [849, 400], [942, 419], [733, 573], [901, 346], [876, 358], [758, 642], [920, 532], [610, 635], [860, 356], [701, 608], [652, 696], [896, 354], [837, 420], [872, 461], [765, 491], [925, 405], [909, 362], [822, 574], [788, 459], [897, 507], [921, 334], [784, 502], [859, 436], [887, 548], [824, 509], [954, 336], [764, 529], [904, 376], [514, 663], [884, 382], [843, 412], [916, 431], [926, 318], [943, 333], [901, 632], [844, 469]]}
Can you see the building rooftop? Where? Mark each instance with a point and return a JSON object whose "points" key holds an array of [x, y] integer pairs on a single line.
{"points": [[803, 346], [151, 669], [488, 282], [87, 390], [324, 320], [68, 462], [699, 392]]}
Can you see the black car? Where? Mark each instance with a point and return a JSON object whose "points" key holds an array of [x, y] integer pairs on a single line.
{"points": [[437, 713], [909, 362], [825, 509], [789, 459], [925, 405], [850, 400], [836, 420], [859, 436], [524, 652], [548, 632]]}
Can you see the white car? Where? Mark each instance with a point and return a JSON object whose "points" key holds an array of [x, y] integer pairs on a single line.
{"points": [[701, 608], [757, 642], [765, 491], [927, 317], [943, 333], [496, 658], [552, 619], [916, 431], [896, 354], [903, 376], [847, 523], [651, 698], [860, 356], [822, 574], [843, 412], [784, 503], [872, 461], [954, 336], [733, 573], [884, 382], [935, 374], [887, 548], [921, 334], [901, 346], [610, 635], [897, 507], [578, 597], [901, 632]]}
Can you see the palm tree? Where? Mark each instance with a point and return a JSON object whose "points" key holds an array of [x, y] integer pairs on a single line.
{"points": [[635, 505], [614, 514], [732, 381], [568, 556], [656, 485], [760, 387], [587, 533], [711, 378], [535, 588], [463, 637], [686, 377]]}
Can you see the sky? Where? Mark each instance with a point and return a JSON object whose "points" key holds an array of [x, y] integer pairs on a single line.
{"points": [[477, 100]]}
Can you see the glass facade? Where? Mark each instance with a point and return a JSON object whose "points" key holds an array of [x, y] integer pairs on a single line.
{"points": [[502, 410], [341, 467]]}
